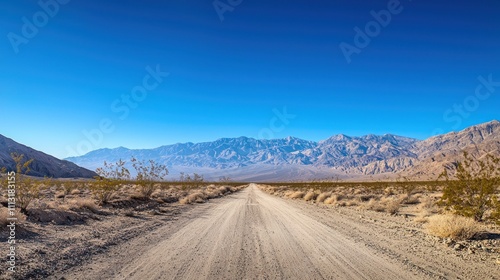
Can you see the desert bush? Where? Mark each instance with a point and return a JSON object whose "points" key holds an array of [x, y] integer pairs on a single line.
{"points": [[331, 200], [79, 203], [453, 226], [4, 216], [322, 197], [148, 175], [374, 205], [194, 181], [392, 206], [310, 196], [197, 197], [27, 190], [474, 190], [110, 179], [297, 195]]}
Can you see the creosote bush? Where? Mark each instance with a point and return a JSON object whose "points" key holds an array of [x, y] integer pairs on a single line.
{"points": [[109, 181], [475, 188]]}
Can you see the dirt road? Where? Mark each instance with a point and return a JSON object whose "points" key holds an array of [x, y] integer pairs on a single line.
{"points": [[253, 235]]}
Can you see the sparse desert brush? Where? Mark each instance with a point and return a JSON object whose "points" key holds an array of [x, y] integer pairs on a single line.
{"points": [[322, 197], [310, 196], [297, 195], [234, 189], [111, 177], [60, 194], [358, 191], [453, 226], [473, 192], [197, 197], [351, 202], [389, 191], [411, 200], [331, 200], [374, 205], [392, 206], [75, 192], [428, 205], [27, 189], [4, 216], [81, 203], [223, 189]]}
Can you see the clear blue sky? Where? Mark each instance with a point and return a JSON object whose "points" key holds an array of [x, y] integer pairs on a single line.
{"points": [[226, 77]]}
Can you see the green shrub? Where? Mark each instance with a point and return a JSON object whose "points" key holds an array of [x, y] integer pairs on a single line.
{"points": [[474, 189]]}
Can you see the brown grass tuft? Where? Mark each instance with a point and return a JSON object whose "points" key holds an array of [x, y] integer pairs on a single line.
{"points": [[297, 195], [452, 226], [4, 215], [197, 197], [310, 196], [322, 197], [79, 204]]}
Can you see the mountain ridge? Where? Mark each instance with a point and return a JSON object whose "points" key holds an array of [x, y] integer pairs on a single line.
{"points": [[340, 155]]}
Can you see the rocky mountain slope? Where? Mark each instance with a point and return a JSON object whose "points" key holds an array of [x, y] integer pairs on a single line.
{"points": [[296, 159], [43, 164]]}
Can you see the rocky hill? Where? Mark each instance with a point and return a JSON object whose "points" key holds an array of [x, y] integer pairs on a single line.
{"points": [[43, 164]]}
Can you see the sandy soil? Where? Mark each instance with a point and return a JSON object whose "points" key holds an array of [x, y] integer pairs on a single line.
{"points": [[253, 235]]}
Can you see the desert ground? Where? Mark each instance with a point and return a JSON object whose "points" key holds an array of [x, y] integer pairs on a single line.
{"points": [[258, 232]]}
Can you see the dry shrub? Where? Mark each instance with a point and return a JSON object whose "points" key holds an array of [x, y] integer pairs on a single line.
{"points": [[60, 194], [358, 191], [331, 200], [223, 190], [310, 196], [322, 197], [388, 205], [297, 195], [75, 192], [4, 215], [374, 205], [392, 206], [422, 217], [234, 189], [351, 202], [197, 197], [453, 226], [80, 203], [389, 191]]}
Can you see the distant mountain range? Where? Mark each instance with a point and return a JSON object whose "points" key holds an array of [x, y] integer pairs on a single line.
{"points": [[43, 164], [340, 156]]}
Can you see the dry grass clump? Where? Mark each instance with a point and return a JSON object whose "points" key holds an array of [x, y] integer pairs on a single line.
{"points": [[388, 205], [322, 197], [75, 192], [82, 203], [310, 196], [453, 226], [4, 215], [297, 195], [197, 197], [331, 200], [392, 206]]}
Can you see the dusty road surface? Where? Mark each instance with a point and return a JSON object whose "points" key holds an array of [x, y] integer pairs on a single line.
{"points": [[253, 235]]}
